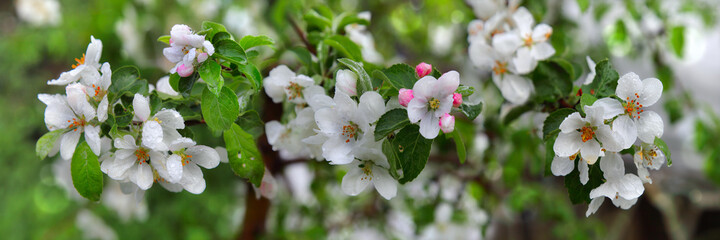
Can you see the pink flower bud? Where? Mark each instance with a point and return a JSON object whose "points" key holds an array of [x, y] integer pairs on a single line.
{"points": [[184, 70], [447, 123], [423, 69], [457, 100], [201, 57], [405, 96]]}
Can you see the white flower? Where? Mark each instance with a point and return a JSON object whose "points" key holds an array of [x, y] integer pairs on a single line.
{"points": [[516, 89], [165, 90], [86, 68], [39, 12], [283, 84], [186, 49], [364, 172], [585, 135], [363, 38], [93, 227], [288, 139], [346, 81], [623, 189], [484, 9], [131, 162], [73, 113], [648, 157], [634, 122], [268, 186], [591, 76], [432, 99], [343, 124], [182, 165], [562, 166], [531, 43], [159, 130]]}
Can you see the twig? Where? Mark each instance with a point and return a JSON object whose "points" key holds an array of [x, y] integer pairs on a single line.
{"points": [[302, 36]]}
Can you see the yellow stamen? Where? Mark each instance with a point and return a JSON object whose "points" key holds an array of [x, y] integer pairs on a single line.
{"points": [[80, 61], [587, 133]]}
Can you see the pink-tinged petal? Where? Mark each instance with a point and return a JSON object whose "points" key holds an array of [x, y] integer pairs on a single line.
{"points": [[447, 84], [610, 106], [652, 90], [561, 166], [417, 108], [447, 123], [404, 96], [567, 144], [141, 107], [201, 57], [355, 181], [590, 151], [572, 123], [629, 85], [384, 183], [649, 125], [429, 126], [185, 70], [626, 130], [68, 143], [457, 100], [542, 32], [423, 69]]}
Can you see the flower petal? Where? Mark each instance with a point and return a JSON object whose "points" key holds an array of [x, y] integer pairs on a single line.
{"points": [[371, 107], [337, 151], [594, 205], [562, 166], [92, 137], [584, 170], [68, 143], [630, 186], [572, 123], [125, 142], [516, 89], [610, 106], [193, 180], [447, 83], [204, 156], [141, 107], [152, 136], [626, 130], [417, 108], [567, 144], [524, 61], [180, 144], [174, 168], [171, 119], [590, 151], [651, 92], [144, 176], [355, 181], [429, 126], [649, 125], [541, 32], [384, 183], [542, 51], [612, 166], [628, 85], [506, 43]]}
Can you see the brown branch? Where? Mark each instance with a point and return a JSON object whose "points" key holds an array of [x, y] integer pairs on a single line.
{"points": [[302, 36], [194, 122]]}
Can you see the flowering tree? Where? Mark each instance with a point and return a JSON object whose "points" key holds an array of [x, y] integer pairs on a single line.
{"points": [[343, 106]]}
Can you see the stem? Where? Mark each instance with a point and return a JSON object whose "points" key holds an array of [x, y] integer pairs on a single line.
{"points": [[302, 36]]}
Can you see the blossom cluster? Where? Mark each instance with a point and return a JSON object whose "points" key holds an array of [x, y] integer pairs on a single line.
{"points": [[506, 41], [150, 149], [611, 125]]}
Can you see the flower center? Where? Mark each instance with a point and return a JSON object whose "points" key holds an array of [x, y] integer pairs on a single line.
{"points": [[294, 90], [633, 107], [77, 123], [476, 29], [141, 155], [350, 131], [80, 61], [99, 93], [587, 133], [500, 68], [574, 156], [434, 103], [648, 156], [185, 158], [528, 41], [367, 171]]}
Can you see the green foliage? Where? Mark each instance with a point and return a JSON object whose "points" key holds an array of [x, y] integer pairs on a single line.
{"points": [[210, 72], [465, 90], [459, 146], [390, 122], [251, 122], [85, 171], [412, 151], [229, 50], [249, 163], [209, 29], [664, 148], [248, 42], [46, 143], [126, 80], [553, 121], [364, 83], [605, 82], [220, 111], [516, 112], [586, 100], [578, 192], [164, 39], [389, 150], [676, 36], [471, 111], [552, 80], [399, 76], [344, 45]]}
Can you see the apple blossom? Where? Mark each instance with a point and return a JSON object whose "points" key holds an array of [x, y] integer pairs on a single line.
{"points": [[186, 50], [131, 162], [648, 157], [457, 100], [591, 75], [515, 88], [432, 99], [160, 129], [423, 69], [183, 166], [623, 189], [86, 69], [531, 43], [447, 123], [404, 96], [284, 84], [346, 81], [588, 136]]}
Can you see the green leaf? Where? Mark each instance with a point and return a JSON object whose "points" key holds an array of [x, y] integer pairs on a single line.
{"points": [[345, 46], [465, 90], [587, 100], [249, 164], [46, 143], [249, 41], [412, 150], [605, 81], [471, 111], [85, 171], [220, 111], [550, 151], [304, 55], [164, 39], [391, 121], [363, 84], [584, 4], [392, 157], [221, 36], [553, 121], [314, 19], [229, 50], [459, 146], [122, 116], [399, 76], [252, 73], [676, 36], [209, 29], [516, 112], [126, 80], [252, 123], [664, 148], [578, 192], [210, 72], [552, 80], [347, 20]]}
